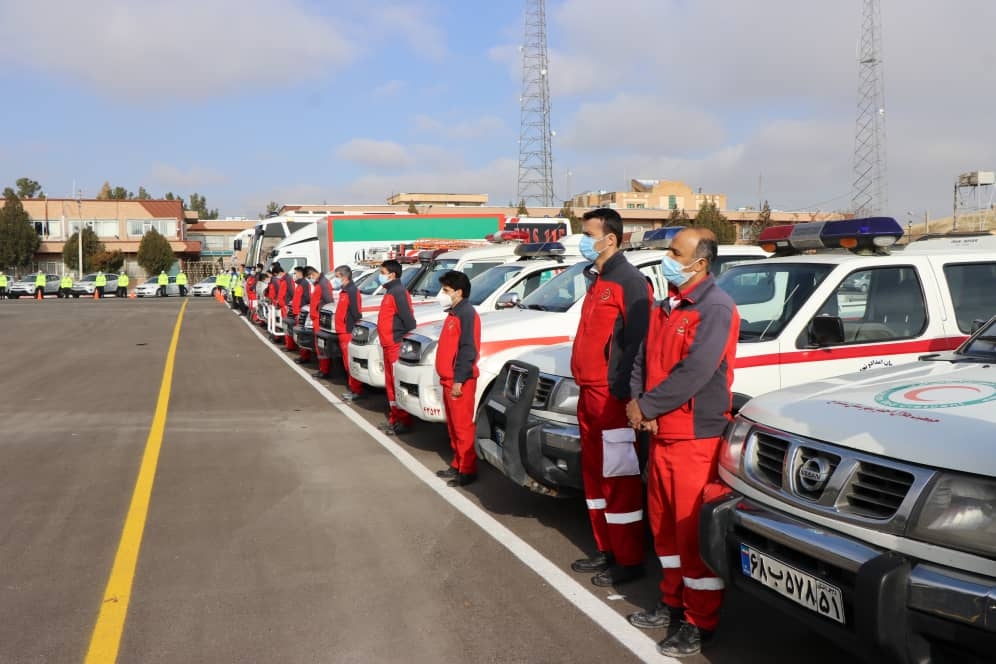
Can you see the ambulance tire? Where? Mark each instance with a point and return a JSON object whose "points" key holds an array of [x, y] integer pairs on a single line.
{"points": [[75, 296]]}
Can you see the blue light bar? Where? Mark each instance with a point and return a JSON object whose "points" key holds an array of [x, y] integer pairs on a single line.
{"points": [[863, 235], [658, 238], [876, 229], [540, 249]]}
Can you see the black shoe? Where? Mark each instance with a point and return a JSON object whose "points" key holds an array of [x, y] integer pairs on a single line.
{"points": [[353, 396], [599, 562], [319, 374], [462, 479], [618, 574], [448, 473], [661, 616], [402, 428], [687, 641], [300, 360]]}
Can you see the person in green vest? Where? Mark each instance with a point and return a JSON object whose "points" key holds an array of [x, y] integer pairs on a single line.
{"points": [[40, 284], [181, 281], [3, 285], [221, 281], [100, 283], [66, 286], [163, 282], [238, 296], [122, 290]]}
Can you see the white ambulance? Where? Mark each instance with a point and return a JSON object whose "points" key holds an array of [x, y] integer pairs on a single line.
{"points": [[804, 316], [865, 505], [548, 316], [366, 357]]}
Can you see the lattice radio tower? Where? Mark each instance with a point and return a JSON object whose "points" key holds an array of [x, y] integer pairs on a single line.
{"points": [[535, 182], [869, 190]]}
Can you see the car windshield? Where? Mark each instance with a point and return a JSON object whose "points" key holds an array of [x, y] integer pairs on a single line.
{"points": [[207, 280], [152, 280], [561, 292], [491, 280], [725, 261], [89, 277], [981, 346], [428, 282], [367, 284], [768, 295]]}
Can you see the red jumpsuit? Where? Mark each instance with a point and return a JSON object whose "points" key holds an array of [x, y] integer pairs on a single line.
{"points": [[347, 314], [683, 375], [321, 294], [281, 301], [613, 323], [456, 362], [394, 320]]}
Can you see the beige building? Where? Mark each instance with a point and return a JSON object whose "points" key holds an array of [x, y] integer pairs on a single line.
{"points": [[448, 200], [217, 237], [650, 195]]}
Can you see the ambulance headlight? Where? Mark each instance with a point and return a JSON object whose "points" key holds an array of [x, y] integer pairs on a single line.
{"points": [[959, 513], [564, 398], [731, 449]]}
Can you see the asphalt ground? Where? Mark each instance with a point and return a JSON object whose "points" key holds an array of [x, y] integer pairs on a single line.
{"points": [[279, 529]]}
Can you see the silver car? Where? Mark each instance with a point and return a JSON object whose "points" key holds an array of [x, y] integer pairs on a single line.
{"points": [[203, 287], [88, 284], [26, 286], [151, 286]]}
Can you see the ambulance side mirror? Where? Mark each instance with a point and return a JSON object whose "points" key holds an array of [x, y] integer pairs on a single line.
{"points": [[508, 301], [826, 331]]}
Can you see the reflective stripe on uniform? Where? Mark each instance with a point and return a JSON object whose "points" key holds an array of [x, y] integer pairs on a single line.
{"points": [[619, 518], [670, 562], [707, 583], [596, 503]]}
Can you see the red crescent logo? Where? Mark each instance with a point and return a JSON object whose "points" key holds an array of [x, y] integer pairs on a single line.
{"points": [[914, 395]]}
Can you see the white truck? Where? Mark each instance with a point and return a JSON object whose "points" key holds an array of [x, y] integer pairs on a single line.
{"points": [[548, 316], [804, 316], [865, 506]]}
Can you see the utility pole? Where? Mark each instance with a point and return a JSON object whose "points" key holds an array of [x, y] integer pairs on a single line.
{"points": [[535, 182], [869, 186], [79, 235]]}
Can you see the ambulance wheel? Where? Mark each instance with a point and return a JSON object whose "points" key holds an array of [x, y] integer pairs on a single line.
{"points": [[76, 297]]}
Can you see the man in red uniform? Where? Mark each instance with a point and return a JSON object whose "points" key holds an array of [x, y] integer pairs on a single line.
{"points": [[300, 301], [321, 294], [347, 315], [613, 324], [394, 320], [681, 394], [456, 363], [251, 292]]}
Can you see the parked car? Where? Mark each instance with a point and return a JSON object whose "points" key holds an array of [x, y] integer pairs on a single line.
{"points": [[87, 285], [26, 286], [203, 287], [151, 285]]}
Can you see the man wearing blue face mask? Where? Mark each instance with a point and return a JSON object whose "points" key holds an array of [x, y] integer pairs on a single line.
{"points": [[613, 324], [681, 394]]}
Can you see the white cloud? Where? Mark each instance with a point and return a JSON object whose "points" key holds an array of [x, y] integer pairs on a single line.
{"points": [[390, 88], [181, 49], [412, 23], [386, 155], [194, 178]]}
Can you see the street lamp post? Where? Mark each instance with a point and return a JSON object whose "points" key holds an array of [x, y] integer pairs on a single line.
{"points": [[79, 235]]}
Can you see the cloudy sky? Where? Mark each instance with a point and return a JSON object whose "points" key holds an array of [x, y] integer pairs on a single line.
{"points": [[311, 101]]}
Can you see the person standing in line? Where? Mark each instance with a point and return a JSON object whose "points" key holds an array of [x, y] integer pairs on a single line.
{"points": [[614, 318], [300, 302], [251, 293], [66, 286], [347, 315], [99, 284], [238, 297], [163, 282], [221, 282], [681, 394], [321, 294], [394, 320], [3, 285], [181, 281], [123, 281], [40, 285], [457, 353]]}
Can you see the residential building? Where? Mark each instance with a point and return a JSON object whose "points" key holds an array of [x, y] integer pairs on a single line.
{"points": [[439, 200], [650, 195]]}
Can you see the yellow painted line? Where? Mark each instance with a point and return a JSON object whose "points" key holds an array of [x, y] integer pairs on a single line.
{"points": [[106, 638]]}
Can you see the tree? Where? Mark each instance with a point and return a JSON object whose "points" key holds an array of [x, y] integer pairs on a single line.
{"points": [[763, 221], [109, 261], [18, 239], [105, 192], [142, 194], [170, 196], [567, 212], [154, 253], [120, 194], [199, 204], [28, 188], [677, 218], [271, 210], [92, 247], [710, 217], [522, 211], [412, 209]]}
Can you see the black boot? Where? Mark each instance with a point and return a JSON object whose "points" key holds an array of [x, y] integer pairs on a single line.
{"points": [[596, 563], [617, 574], [661, 616], [686, 642]]}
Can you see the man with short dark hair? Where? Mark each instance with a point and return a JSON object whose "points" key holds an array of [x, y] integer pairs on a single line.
{"points": [[320, 295], [394, 320], [681, 394], [457, 352], [347, 315]]}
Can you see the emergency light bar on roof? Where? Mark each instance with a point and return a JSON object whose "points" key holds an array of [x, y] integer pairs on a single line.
{"points": [[658, 238], [859, 235], [507, 236], [540, 250]]}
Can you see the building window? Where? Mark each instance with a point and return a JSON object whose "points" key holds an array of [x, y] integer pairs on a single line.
{"points": [[139, 227], [108, 228], [672, 202]]}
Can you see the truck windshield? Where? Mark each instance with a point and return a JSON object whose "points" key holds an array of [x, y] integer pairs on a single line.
{"points": [[486, 283], [428, 282], [561, 292], [768, 295]]}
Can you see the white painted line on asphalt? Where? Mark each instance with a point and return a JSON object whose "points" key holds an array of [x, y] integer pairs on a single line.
{"points": [[632, 638]]}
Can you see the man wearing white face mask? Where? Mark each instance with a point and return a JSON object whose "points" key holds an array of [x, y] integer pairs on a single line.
{"points": [[321, 294], [456, 363], [681, 394], [394, 320], [347, 315]]}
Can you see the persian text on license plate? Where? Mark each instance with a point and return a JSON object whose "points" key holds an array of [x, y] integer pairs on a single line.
{"points": [[801, 588]]}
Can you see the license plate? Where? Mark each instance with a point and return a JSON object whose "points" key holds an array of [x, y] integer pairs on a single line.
{"points": [[801, 588], [499, 435]]}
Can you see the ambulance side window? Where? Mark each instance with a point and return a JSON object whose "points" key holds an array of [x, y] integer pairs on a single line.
{"points": [[526, 286], [973, 292], [472, 269]]}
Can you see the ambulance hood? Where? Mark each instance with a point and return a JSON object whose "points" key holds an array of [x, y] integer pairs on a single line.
{"points": [[518, 327], [935, 413]]}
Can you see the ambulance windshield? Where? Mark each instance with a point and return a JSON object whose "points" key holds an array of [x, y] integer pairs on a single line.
{"points": [[489, 281], [561, 292]]}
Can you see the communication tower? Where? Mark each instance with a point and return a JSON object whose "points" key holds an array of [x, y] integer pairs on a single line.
{"points": [[869, 187], [974, 194], [535, 183]]}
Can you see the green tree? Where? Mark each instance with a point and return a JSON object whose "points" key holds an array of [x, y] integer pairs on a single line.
{"points": [[710, 217], [28, 188], [199, 204], [120, 194], [170, 196], [109, 261], [763, 221], [677, 218], [522, 211], [92, 247], [271, 209], [142, 194], [567, 212], [18, 239], [412, 209], [154, 253]]}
